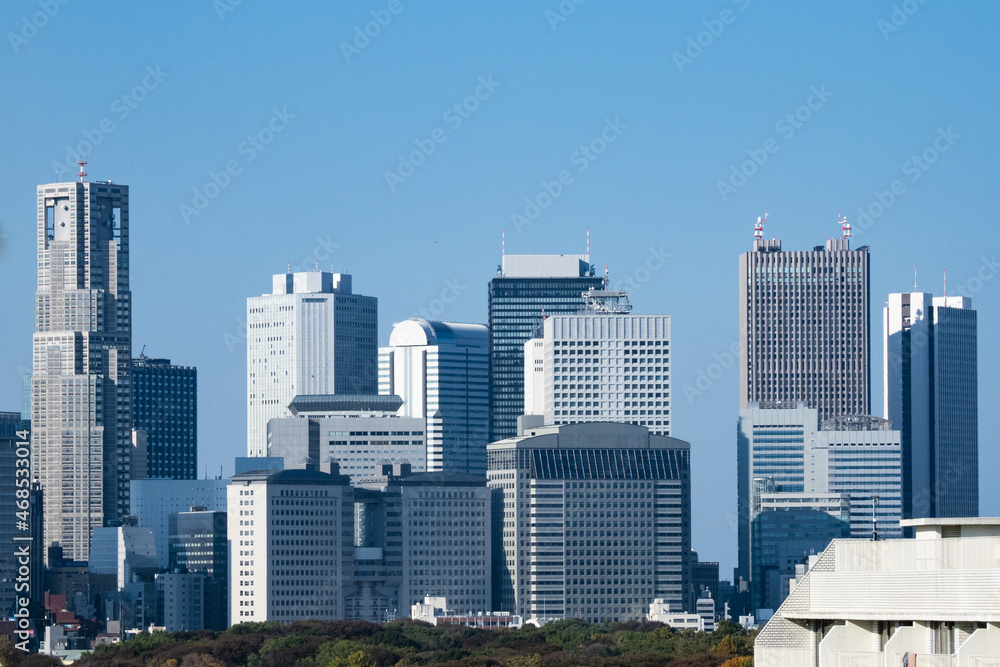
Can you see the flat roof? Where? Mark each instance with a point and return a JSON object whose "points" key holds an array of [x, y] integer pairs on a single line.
{"points": [[951, 521]]}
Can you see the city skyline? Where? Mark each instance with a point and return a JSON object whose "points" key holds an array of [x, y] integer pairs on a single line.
{"points": [[650, 196]]}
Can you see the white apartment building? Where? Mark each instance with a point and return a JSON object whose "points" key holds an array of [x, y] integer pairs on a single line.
{"points": [[360, 433], [933, 600], [291, 545], [603, 364], [312, 335], [441, 370]]}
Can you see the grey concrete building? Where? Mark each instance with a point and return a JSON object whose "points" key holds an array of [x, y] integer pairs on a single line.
{"points": [[591, 521], [804, 326], [82, 359]]}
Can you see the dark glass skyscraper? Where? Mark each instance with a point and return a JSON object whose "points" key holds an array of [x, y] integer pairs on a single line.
{"points": [[526, 288], [165, 406], [198, 544]]}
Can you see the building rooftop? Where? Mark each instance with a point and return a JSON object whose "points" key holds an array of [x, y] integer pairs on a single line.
{"points": [[418, 331], [322, 403], [295, 476]]}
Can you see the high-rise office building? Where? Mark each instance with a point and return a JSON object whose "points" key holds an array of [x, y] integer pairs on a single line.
{"points": [[360, 433], [784, 455], [198, 544], [804, 326], [602, 364], [291, 536], [591, 521], [154, 500], [931, 395], [82, 360], [165, 407], [441, 371], [311, 335], [526, 288]]}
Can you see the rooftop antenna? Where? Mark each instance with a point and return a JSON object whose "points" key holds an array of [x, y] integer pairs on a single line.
{"points": [[317, 265], [82, 172], [289, 269], [605, 276], [758, 228], [845, 226]]}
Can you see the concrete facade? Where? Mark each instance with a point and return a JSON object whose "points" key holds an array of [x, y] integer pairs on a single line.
{"points": [[81, 397], [591, 521], [804, 327], [311, 335], [441, 371], [932, 599], [606, 366]]}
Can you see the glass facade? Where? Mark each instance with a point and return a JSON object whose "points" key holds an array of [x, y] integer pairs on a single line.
{"points": [[516, 307], [165, 406]]}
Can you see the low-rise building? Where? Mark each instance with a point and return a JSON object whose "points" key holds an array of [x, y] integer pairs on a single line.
{"points": [[930, 600]]}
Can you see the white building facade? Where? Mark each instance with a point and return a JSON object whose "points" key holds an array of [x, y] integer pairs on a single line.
{"points": [[594, 521], [291, 545], [360, 433], [311, 335], [931, 394], [932, 600], [441, 370], [600, 365]]}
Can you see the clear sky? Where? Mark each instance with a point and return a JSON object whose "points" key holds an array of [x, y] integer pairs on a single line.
{"points": [[258, 134]]}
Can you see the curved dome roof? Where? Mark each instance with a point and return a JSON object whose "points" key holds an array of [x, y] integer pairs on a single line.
{"points": [[418, 331]]}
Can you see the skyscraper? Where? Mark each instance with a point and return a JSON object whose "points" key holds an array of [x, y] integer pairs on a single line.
{"points": [[82, 360], [312, 335], [165, 406], [525, 288], [601, 364], [591, 521], [804, 326], [931, 395], [441, 371]]}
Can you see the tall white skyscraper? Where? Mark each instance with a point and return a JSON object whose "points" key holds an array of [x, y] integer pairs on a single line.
{"points": [[312, 335], [82, 357], [602, 364], [804, 326], [931, 395], [441, 370]]}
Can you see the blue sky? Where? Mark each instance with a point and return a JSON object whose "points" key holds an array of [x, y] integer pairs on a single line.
{"points": [[254, 135]]}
